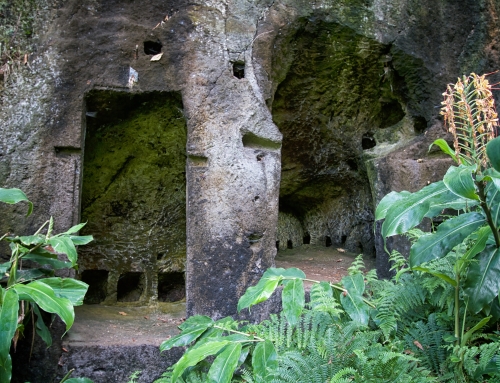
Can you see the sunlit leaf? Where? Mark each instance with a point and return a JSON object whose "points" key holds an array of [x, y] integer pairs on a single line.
{"points": [[293, 300], [459, 180], [194, 356], [352, 298], [449, 234], [225, 363], [264, 360], [64, 245], [12, 196], [387, 202], [44, 296], [68, 288], [443, 145], [408, 212]]}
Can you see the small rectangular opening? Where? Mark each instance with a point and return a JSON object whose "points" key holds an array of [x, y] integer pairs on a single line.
{"points": [[98, 285], [130, 287], [171, 287]]}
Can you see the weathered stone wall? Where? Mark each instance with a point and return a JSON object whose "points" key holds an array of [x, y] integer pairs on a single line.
{"points": [[338, 99], [339, 95]]}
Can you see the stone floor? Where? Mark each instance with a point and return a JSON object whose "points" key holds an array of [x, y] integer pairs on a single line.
{"points": [[108, 343]]}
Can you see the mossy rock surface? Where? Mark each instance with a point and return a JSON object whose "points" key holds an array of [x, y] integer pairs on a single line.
{"points": [[134, 193]]}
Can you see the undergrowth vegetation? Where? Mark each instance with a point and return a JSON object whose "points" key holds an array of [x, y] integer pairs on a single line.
{"points": [[436, 320]]}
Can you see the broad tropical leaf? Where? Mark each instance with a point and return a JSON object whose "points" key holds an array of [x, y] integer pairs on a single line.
{"points": [[266, 286], [223, 366], [459, 180], [387, 202], [449, 234], [352, 298], [44, 296], [79, 240], [409, 211], [9, 307], [12, 196], [264, 360], [293, 300], [493, 153], [41, 329], [193, 356], [186, 336], [74, 229], [69, 288], [46, 259], [483, 284], [443, 145], [64, 245]]}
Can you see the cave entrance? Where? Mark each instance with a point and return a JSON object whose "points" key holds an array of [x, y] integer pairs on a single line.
{"points": [[339, 97], [133, 194]]}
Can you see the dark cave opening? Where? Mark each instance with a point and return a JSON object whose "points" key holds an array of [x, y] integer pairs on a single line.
{"points": [[98, 284], [130, 287], [171, 287]]}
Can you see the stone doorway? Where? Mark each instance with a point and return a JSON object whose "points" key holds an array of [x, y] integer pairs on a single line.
{"points": [[134, 197]]}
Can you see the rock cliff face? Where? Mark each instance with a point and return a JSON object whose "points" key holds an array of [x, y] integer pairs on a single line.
{"points": [[314, 109]]}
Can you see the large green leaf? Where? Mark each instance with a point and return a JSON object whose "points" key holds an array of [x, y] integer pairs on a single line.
{"points": [[493, 153], [352, 298], [69, 288], [387, 202], [266, 286], [196, 320], [493, 203], [194, 356], [78, 380], [293, 300], [9, 306], [409, 211], [12, 196], [41, 329], [449, 200], [44, 296], [264, 361], [459, 180], [74, 229], [483, 282], [188, 334], [47, 260], [223, 366], [79, 240], [443, 145], [449, 234], [64, 245]]}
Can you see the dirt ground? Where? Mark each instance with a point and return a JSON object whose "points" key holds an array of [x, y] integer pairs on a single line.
{"points": [[114, 325], [320, 263]]}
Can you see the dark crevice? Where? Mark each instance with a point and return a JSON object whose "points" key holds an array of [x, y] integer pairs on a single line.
{"points": [[152, 47], [98, 283], [239, 69], [171, 287], [130, 287], [328, 241]]}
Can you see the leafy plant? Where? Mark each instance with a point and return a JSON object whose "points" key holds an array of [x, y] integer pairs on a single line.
{"points": [[428, 324], [472, 190], [26, 292]]}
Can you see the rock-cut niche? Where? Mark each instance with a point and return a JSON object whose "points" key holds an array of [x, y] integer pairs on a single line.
{"points": [[134, 197], [338, 95]]}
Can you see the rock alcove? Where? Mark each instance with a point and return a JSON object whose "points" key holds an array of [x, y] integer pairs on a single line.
{"points": [[134, 197], [340, 94]]}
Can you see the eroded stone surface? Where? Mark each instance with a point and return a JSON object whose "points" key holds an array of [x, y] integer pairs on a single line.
{"points": [[338, 99]]}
